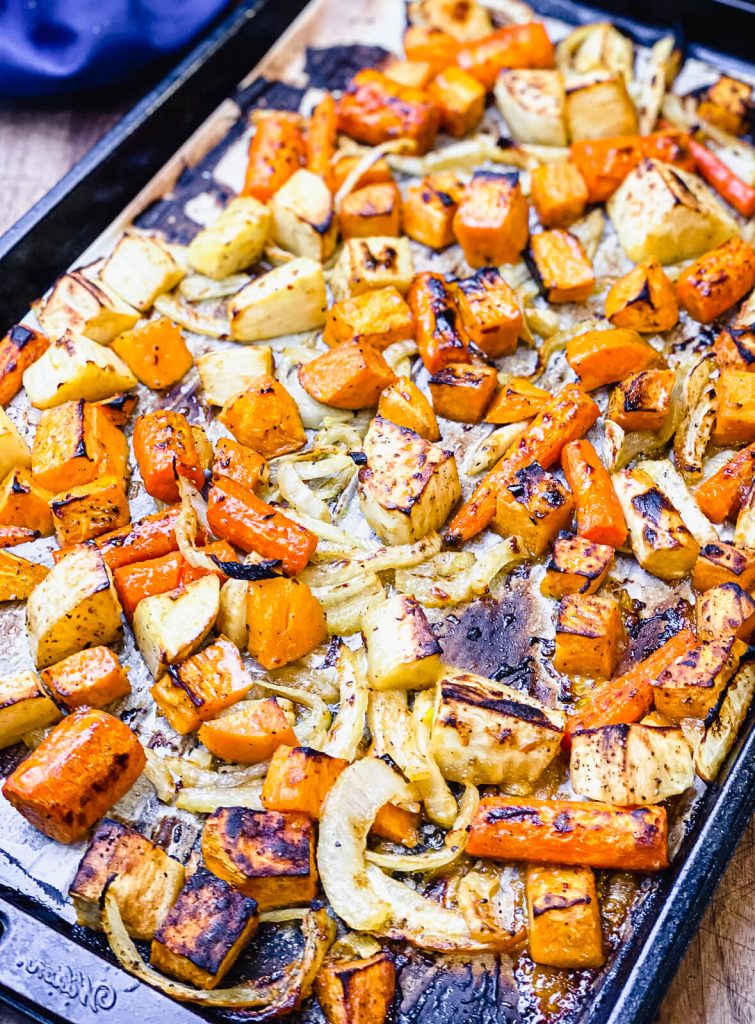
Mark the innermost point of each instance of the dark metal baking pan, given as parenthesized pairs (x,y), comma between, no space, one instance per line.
(54,973)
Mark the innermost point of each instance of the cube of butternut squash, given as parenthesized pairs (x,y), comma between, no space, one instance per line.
(266,418)
(535,506)
(460,98)
(74,444)
(19,576)
(715,281)
(371,210)
(604,357)
(589,633)
(357,991)
(285,621)
(723,611)
(23,502)
(93,678)
(203,685)
(75,606)
(564,917)
(563,266)
(373,109)
(377,318)
(691,686)
(145,880)
(517,400)
(642,400)
(169,627)
(204,932)
(89,510)
(492,222)
(430,207)
(735,345)
(735,413)
(248,733)
(84,766)
(267,855)
(643,300)
(402,650)
(299,779)
(559,193)
(431,44)
(239,463)
(575,566)
(351,375)
(489,312)
(405,405)
(721,562)
(24,706)
(463,391)
(369,263)
(19,348)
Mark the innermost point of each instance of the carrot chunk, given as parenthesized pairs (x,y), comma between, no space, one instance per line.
(164,448)
(374,109)
(275,152)
(321,137)
(599,515)
(605,163)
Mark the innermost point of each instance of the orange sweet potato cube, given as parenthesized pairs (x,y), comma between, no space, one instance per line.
(643,300)
(75,443)
(489,312)
(299,779)
(535,506)
(517,400)
(589,633)
(377,318)
(371,210)
(156,353)
(431,45)
(642,400)
(463,391)
(460,99)
(492,222)
(564,916)
(576,566)
(721,562)
(357,991)
(249,732)
(725,611)
(716,280)
(563,266)
(89,510)
(20,347)
(266,418)
(405,405)
(93,678)
(201,687)
(23,502)
(559,193)
(285,620)
(239,463)
(430,207)
(266,855)
(604,357)
(350,376)
(373,109)
(735,415)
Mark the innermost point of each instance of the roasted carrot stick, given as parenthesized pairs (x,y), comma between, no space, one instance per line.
(600,518)
(605,163)
(441,338)
(564,832)
(736,192)
(568,416)
(275,152)
(159,575)
(722,494)
(321,137)
(239,516)
(628,698)
(148,538)
(164,448)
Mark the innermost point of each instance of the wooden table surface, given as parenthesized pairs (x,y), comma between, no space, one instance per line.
(716,980)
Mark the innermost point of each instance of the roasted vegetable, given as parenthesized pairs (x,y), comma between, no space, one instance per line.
(460,98)
(93,678)
(721,495)
(352,375)
(534,506)
(75,367)
(371,210)
(205,931)
(605,163)
(727,104)
(14,451)
(430,207)
(589,633)
(603,357)
(642,400)
(598,105)
(303,217)
(150,537)
(690,687)
(564,917)
(405,405)
(464,22)
(139,269)
(285,621)
(463,392)
(169,627)
(143,878)
(514,46)
(441,338)
(357,991)
(486,733)
(559,193)
(533,104)
(20,347)
(346,163)
(376,318)
(735,345)
(239,516)
(265,417)
(576,566)
(373,109)
(156,353)
(286,300)
(320,141)
(24,706)
(643,300)
(165,449)
(276,151)
(408,486)
(82,305)
(661,542)
(232,242)
(402,651)
(89,510)
(723,611)
(562,266)
(24,503)
(713,738)
(664,213)
(75,443)
(491,223)
(517,400)
(239,463)
(715,281)
(415,74)
(720,563)
(729,186)
(203,685)
(431,45)
(489,311)
(18,576)
(598,46)
(76,774)
(249,733)
(735,413)
(366,264)
(265,854)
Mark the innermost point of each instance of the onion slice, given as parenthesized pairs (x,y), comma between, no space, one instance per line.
(274,998)
(193,514)
(347,730)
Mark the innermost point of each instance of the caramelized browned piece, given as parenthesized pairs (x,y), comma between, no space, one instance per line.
(374,109)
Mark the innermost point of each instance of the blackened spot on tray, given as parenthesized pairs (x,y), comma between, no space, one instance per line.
(270,95)
(332,67)
(493,638)
(465,990)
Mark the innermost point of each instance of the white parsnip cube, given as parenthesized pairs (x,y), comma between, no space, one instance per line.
(713,737)
(234,241)
(402,651)
(24,706)
(598,106)
(75,367)
(304,220)
(227,372)
(287,300)
(85,305)
(366,264)
(533,103)
(169,627)
(139,269)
